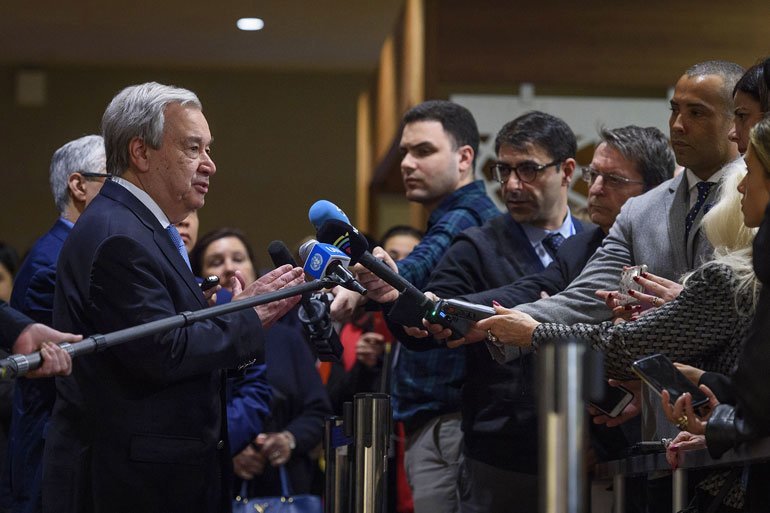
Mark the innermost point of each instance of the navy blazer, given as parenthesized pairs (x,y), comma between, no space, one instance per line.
(33,399)
(498,401)
(12,323)
(139,427)
(572,256)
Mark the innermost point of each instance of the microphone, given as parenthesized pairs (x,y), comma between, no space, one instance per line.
(323,210)
(313,312)
(333,228)
(326,261)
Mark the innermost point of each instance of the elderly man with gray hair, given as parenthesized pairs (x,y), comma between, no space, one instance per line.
(139,427)
(77,173)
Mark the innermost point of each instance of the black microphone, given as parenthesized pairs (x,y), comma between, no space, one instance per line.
(350,241)
(313,312)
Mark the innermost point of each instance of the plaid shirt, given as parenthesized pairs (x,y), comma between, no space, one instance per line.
(427,383)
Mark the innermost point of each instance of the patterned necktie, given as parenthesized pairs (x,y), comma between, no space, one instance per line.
(551,243)
(178,243)
(703,191)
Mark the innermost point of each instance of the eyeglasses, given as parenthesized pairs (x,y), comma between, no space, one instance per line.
(95,175)
(609,180)
(525,172)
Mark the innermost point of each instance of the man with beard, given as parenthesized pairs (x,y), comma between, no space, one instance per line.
(535,163)
(627,162)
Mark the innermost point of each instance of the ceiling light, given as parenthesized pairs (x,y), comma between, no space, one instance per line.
(250,24)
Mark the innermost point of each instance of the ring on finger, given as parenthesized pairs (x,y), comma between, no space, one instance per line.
(681,422)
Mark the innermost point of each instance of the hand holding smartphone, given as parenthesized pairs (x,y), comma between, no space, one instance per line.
(660,374)
(627,283)
(614,401)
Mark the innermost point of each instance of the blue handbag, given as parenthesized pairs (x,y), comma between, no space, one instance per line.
(286,503)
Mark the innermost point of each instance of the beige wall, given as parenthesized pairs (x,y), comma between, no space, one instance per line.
(282,141)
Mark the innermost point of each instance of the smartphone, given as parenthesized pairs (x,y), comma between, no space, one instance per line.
(648,447)
(209,282)
(627,283)
(458,315)
(660,374)
(614,400)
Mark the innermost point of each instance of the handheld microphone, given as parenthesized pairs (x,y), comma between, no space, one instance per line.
(313,312)
(334,229)
(323,210)
(325,260)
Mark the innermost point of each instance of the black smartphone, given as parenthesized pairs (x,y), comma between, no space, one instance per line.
(209,282)
(614,400)
(648,447)
(659,373)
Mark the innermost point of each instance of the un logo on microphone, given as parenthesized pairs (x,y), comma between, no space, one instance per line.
(316,262)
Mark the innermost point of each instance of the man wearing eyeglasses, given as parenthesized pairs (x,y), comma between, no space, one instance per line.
(77,173)
(535,163)
(627,162)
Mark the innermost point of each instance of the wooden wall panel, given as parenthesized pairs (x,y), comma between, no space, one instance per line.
(582,44)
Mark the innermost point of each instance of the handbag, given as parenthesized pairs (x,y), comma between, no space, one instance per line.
(286,503)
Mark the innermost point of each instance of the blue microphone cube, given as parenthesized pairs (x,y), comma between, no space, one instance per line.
(321,256)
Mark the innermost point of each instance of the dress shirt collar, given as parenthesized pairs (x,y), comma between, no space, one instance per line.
(146,200)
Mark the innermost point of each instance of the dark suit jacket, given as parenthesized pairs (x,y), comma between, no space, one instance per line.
(139,427)
(566,266)
(33,399)
(12,323)
(498,405)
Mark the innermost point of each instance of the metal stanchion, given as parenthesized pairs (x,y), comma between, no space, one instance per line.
(562,426)
(679,490)
(372,432)
(337,476)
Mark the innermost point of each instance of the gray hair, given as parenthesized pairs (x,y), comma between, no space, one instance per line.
(730,72)
(138,111)
(84,155)
(647,148)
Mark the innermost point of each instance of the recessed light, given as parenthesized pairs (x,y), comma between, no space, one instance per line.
(250,24)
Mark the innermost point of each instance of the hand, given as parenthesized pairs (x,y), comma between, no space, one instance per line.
(692,373)
(39,337)
(620,312)
(369,348)
(211,295)
(345,304)
(682,410)
(378,289)
(284,276)
(511,327)
(249,463)
(276,447)
(659,290)
(684,441)
(631,410)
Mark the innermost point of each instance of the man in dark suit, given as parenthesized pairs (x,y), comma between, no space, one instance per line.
(535,163)
(139,427)
(76,175)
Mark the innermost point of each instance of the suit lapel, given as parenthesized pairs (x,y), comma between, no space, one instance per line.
(677,206)
(162,240)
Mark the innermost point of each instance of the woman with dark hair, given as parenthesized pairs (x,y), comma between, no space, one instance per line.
(300,403)
(9,263)
(751,102)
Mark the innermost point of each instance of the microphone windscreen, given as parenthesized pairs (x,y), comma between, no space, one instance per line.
(280,254)
(344,237)
(322,211)
(306,248)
